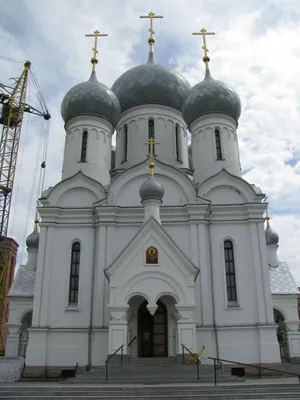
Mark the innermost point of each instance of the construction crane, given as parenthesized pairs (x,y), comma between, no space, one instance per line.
(13,102)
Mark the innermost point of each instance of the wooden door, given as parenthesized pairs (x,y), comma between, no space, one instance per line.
(153,332)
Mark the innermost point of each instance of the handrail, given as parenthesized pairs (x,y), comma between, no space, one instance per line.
(249,365)
(193,355)
(106,362)
(130,343)
(122,350)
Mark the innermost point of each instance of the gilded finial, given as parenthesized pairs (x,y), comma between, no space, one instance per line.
(203,33)
(96,34)
(267,212)
(151,39)
(36,221)
(151,142)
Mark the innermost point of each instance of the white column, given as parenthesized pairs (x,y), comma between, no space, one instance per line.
(118,328)
(13,340)
(152,209)
(269,347)
(37,347)
(272,255)
(186,326)
(32,259)
(204,151)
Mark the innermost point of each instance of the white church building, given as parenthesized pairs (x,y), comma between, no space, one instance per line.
(175,256)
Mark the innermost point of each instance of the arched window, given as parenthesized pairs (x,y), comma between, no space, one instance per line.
(230,271)
(178,142)
(125,141)
(218,144)
(151,134)
(84,146)
(74,274)
(152,256)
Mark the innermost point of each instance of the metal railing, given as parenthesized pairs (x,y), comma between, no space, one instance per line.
(248,365)
(195,356)
(111,356)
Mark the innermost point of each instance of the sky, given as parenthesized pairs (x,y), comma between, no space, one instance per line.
(255,50)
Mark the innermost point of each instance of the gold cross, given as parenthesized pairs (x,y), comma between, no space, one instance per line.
(151,39)
(96,34)
(204,32)
(151,142)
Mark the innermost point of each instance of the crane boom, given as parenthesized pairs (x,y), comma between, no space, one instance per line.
(12,117)
(13,101)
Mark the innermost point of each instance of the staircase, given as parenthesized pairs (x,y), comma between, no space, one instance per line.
(153,378)
(152,371)
(31,391)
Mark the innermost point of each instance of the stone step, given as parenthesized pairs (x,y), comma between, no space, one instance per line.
(68,392)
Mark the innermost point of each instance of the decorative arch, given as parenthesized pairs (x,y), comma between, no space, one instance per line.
(159,296)
(137,294)
(26,322)
(281,331)
(139,285)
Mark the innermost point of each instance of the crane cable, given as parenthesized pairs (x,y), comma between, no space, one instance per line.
(36,185)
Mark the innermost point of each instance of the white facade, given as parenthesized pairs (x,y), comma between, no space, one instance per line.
(100,210)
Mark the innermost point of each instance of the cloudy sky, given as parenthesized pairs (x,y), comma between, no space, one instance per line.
(256,51)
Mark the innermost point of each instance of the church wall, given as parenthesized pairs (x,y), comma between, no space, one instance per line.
(60,314)
(98,154)
(99,346)
(165,120)
(247,310)
(204,152)
(174,194)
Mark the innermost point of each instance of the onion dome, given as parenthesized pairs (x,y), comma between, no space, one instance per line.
(151,83)
(211,97)
(32,241)
(272,237)
(151,189)
(91,98)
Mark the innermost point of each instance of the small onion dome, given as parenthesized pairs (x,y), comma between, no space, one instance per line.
(151,189)
(211,97)
(32,241)
(91,98)
(272,237)
(151,83)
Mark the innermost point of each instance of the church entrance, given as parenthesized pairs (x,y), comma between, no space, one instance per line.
(153,331)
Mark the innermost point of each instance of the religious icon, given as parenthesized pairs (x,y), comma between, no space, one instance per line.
(151,256)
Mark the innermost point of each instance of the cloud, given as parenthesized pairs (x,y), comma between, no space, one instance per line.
(255,50)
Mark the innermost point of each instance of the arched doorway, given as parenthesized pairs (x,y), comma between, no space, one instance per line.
(24,334)
(153,331)
(281,334)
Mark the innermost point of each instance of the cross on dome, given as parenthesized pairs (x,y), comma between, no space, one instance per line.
(96,34)
(151,39)
(151,142)
(203,33)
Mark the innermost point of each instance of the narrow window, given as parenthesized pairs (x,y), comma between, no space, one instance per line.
(230,271)
(125,141)
(178,142)
(218,144)
(84,146)
(151,134)
(74,274)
